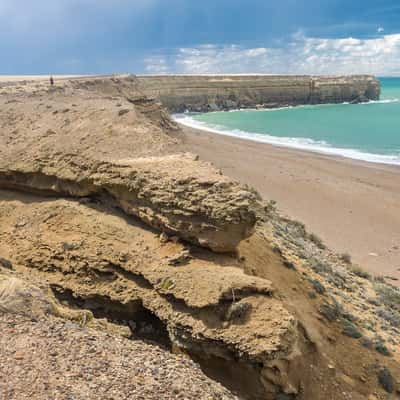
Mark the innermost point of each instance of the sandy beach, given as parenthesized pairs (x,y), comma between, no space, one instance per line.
(353,206)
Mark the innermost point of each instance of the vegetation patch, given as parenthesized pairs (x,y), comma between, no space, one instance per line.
(350,329)
(358,271)
(317,241)
(330,311)
(346,258)
(381,348)
(386,380)
(318,286)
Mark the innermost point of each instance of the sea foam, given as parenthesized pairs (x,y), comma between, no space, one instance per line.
(307,144)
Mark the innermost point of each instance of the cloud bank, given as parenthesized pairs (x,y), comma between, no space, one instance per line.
(301,55)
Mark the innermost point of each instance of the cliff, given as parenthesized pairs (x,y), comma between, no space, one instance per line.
(107,225)
(226,92)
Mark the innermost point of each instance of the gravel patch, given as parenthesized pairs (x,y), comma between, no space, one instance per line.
(52,359)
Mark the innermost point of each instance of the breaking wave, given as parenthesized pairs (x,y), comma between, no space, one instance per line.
(291,142)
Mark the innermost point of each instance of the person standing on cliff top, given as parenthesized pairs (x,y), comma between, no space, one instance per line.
(51,81)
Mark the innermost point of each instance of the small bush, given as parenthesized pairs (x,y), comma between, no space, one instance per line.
(320,267)
(358,271)
(351,330)
(318,286)
(167,284)
(368,343)
(254,191)
(330,311)
(389,296)
(299,227)
(386,380)
(317,241)
(391,316)
(381,348)
(346,258)
(270,206)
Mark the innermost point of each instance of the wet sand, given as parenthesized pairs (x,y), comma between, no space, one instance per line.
(353,206)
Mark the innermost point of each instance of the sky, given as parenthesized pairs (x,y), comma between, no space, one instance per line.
(208,36)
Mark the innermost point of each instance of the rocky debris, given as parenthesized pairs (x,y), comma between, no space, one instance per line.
(181,258)
(34,300)
(60,359)
(361,99)
(19,297)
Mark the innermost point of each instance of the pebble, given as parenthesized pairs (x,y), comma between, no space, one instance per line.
(64,362)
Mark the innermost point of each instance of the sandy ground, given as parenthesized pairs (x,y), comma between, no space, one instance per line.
(16,78)
(353,206)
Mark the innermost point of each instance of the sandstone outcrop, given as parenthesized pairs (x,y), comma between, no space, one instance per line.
(67,359)
(202,93)
(207,309)
(114,230)
(175,194)
(95,150)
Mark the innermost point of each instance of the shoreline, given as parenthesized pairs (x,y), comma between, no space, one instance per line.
(301,144)
(351,204)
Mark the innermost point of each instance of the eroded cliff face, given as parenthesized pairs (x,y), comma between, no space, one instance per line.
(116,144)
(226,92)
(160,244)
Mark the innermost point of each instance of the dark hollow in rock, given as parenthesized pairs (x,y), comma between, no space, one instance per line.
(5,263)
(238,311)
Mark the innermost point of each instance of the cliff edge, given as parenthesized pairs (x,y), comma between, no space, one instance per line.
(202,93)
(105,224)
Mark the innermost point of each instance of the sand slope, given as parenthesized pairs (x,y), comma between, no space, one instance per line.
(353,206)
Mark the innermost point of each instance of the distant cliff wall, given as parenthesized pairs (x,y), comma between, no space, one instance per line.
(225,92)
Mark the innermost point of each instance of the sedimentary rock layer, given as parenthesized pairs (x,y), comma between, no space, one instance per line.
(104,143)
(225,92)
(102,148)
(174,194)
(114,267)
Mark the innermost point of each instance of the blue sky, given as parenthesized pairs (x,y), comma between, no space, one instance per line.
(209,36)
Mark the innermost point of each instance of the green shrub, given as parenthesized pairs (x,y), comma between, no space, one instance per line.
(356,270)
(317,241)
(351,330)
(389,295)
(320,267)
(381,348)
(345,257)
(386,380)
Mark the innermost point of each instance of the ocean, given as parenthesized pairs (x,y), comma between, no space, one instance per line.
(367,131)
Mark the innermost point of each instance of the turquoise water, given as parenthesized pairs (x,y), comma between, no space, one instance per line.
(369,131)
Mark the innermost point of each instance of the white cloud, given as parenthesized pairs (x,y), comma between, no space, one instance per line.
(301,55)
(157,65)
